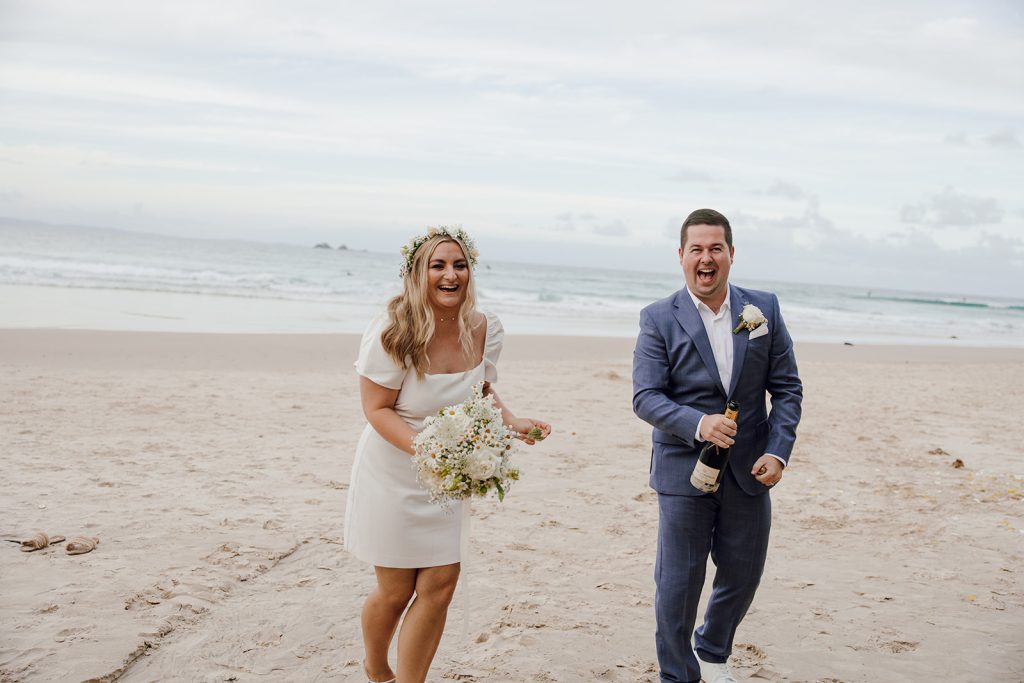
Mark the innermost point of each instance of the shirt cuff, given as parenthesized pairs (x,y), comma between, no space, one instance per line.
(778,458)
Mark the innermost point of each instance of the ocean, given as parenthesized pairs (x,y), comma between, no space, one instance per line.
(90,278)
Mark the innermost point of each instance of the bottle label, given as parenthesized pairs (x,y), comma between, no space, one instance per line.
(704,478)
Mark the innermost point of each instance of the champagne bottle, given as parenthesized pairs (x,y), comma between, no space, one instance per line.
(710,468)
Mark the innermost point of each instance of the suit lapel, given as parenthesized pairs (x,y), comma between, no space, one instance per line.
(687,315)
(739,340)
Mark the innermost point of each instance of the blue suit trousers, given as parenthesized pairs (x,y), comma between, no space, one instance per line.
(733,527)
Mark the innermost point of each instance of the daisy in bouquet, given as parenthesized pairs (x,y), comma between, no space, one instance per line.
(464,451)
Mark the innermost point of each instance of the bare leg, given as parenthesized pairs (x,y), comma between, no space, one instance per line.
(424,622)
(381,612)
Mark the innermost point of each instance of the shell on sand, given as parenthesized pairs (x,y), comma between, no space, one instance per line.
(82,544)
(39,541)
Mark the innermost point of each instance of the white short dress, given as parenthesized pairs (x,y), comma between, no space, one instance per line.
(389,519)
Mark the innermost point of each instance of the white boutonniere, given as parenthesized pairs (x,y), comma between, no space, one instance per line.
(751,318)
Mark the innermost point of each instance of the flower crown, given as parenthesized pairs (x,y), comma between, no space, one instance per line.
(453,231)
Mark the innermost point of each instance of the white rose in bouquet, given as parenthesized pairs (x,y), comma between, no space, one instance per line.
(482,468)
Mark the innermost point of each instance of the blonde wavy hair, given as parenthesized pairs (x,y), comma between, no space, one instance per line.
(411,325)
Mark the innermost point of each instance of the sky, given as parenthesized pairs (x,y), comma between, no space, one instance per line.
(860,143)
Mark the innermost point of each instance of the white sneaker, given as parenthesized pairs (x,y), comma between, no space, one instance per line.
(715,673)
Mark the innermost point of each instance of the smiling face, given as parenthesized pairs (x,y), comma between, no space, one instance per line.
(448,274)
(706,258)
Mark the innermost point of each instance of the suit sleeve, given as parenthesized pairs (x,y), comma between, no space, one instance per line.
(651,375)
(785,389)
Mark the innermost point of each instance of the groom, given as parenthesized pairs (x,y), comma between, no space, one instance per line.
(691,357)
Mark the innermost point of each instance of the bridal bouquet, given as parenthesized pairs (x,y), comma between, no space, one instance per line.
(464,451)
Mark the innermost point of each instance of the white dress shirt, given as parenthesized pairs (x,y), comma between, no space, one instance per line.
(720,330)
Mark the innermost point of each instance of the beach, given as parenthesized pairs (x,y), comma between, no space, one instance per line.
(214,467)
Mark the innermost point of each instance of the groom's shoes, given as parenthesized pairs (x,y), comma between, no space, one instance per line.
(714,673)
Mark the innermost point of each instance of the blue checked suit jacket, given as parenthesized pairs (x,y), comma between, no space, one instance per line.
(676,381)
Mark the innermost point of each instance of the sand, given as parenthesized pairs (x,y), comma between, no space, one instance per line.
(214,469)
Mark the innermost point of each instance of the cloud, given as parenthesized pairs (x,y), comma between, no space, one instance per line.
(950,208)
(913,213)
(251,115)
(1004,139)
(958,138)
(771,249)
(809,230)
(918,54)
(567,220)
(952,30)
(672,227)
(690,176)
(91,84)
(615,228)
(564,222)
(781,188)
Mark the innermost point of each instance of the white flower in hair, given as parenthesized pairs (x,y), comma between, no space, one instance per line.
(455,232)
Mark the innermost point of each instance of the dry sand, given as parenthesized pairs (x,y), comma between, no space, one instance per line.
(214,468)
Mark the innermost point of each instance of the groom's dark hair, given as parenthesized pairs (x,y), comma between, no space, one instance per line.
(706,217)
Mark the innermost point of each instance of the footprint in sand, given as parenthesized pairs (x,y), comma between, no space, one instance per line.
(816,522)
(897,646)
(894,646)
(751,657)
(748,654)
(73,633)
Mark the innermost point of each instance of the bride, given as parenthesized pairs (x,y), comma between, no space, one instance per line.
(428,351)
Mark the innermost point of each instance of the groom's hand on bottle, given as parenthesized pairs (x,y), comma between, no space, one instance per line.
(718,429)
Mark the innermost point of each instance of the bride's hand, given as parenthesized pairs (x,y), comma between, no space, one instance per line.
(522,426)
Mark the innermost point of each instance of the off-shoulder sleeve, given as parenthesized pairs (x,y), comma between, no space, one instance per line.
(492,347)
(374,363)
